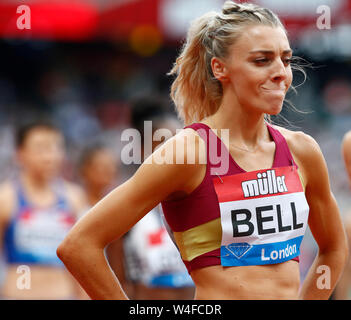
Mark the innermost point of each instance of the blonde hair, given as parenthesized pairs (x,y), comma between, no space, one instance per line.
(195,91)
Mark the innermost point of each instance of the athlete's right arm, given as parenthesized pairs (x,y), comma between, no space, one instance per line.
(82,251)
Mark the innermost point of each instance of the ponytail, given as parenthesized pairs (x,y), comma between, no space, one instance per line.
(195,91)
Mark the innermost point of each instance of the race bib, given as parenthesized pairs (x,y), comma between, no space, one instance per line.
(264,216)
(38,233)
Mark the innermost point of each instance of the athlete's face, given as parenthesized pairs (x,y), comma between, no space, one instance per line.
(257,69)
(100,171)
(42,152)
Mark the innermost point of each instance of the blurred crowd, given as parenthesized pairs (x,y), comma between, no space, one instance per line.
(88,91)
(87,88)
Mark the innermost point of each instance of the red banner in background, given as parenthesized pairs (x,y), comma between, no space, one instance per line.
(144,20)
(118,21)
(60,20)
(299,15)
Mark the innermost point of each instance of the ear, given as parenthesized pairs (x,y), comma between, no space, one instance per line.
(219,69)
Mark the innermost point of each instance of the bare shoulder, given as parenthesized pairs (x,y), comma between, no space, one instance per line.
(190,136)
(180,161)
(6,189)
(7,200)
(347,138)
(194,143)
(303,147)
(186,147)
(309,158)
(76,197)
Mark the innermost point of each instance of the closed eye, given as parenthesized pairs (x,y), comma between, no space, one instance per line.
(264,61)
(261,61)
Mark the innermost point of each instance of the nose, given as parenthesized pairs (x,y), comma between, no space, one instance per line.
(51,156)
(279,71)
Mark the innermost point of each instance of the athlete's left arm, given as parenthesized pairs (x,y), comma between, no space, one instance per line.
(324,221)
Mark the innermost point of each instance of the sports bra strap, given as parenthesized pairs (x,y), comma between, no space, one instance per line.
(203,131)
(281,141)
(211,140)
(58,189)
(283,156)
(20,194)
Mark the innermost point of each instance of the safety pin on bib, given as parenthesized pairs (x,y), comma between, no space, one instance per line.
(219,177)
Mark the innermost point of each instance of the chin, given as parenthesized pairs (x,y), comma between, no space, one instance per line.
(274,110)
(49,176)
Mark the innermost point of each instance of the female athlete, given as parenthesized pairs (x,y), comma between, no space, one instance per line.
(38,209)
(236,191)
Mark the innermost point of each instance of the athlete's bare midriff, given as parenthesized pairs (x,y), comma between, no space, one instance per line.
(265,282)
(45,283)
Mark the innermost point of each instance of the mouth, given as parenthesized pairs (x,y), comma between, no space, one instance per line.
(274,90)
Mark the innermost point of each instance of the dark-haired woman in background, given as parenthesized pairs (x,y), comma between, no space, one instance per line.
(37,210)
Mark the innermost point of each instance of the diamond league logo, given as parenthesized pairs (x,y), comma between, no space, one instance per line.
(238,249)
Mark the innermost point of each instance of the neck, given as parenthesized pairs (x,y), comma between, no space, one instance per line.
(35,182)
(245,128)
(94,194)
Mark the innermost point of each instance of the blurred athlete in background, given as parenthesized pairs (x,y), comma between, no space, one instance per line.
(98,170)
(153,264)
(37,209)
